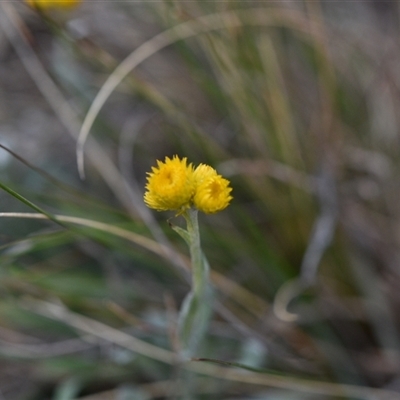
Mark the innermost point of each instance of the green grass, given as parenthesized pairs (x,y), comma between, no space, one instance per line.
(296,111)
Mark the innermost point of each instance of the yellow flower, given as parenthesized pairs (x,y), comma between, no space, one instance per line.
(202,172)
(45,4)
(212,190)
(170,185)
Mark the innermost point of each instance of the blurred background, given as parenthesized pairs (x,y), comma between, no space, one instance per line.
(296,103)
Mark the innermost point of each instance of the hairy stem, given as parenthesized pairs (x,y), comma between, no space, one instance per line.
(199,267)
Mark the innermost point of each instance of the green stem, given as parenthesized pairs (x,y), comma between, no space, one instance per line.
(196,310)
(199,268)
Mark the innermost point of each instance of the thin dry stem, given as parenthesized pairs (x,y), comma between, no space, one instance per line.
(230,288)
(61,108)
(142,241)
(222,20)
(105,332)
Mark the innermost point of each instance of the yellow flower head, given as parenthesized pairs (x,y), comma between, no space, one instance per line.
(170,185)
(212,190)
(46,4)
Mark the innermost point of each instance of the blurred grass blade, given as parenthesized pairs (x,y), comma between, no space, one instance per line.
(68,389)
(235,364)
(27,202)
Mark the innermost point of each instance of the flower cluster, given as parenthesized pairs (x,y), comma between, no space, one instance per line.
(177,185)
(45,4)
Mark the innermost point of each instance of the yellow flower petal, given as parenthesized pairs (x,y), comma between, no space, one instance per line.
(170,185)
(44,4)
(212,190)
(202,172)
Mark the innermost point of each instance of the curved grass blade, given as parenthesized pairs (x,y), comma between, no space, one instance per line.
(27,202)
(234,364)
